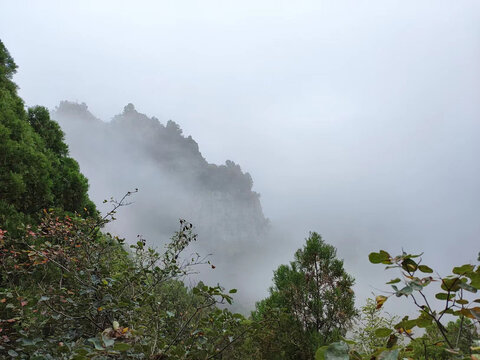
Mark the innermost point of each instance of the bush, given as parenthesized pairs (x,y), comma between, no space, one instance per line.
(70,292)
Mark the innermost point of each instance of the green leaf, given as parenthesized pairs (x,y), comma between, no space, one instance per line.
(232,291)
(320,353)
(444,296)
(423,320)
(394,281)
(475,277)
(121,346)
(425,269)
(411,256)
(461,270)
(382,332)
(451,284)
(406,324)
(380,257)
(409,265)
(81,351)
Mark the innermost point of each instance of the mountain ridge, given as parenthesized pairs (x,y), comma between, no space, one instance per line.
(134,150)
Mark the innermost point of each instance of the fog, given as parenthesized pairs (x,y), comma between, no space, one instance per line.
(174,181)
(356,119)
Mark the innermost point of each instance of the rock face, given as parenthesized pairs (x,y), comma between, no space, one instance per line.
(174,179)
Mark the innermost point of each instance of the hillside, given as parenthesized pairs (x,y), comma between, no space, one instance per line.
(133,140)
(174,181)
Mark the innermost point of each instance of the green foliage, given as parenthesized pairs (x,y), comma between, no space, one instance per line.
(454,340)
(377,337)
(373,329)
(431,343)
(49,130)
(310,303)
(342,351)
(35,172)
(7,69)
(70,292)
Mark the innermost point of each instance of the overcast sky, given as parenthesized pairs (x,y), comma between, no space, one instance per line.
(356,119)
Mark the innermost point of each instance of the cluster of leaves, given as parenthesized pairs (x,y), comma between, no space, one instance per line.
(430,335)
(69,292)
(370,339)
(456,340)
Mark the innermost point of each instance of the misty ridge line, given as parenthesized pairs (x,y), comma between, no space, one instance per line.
(175,181)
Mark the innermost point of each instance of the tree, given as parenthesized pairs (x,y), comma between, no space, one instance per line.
(35,170)
(49,130)
(7,68)
(316,293)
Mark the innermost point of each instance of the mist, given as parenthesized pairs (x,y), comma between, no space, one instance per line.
(358,120)
(136,152)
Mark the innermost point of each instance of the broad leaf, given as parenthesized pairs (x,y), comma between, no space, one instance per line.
(380,257)
(425,269)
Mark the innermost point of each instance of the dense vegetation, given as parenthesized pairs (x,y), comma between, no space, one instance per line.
(68,290)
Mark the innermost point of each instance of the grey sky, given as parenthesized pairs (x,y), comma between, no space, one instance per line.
(357,119)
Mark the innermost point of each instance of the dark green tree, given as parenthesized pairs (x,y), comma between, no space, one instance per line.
(315,293)
(35,170)
(49,130)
